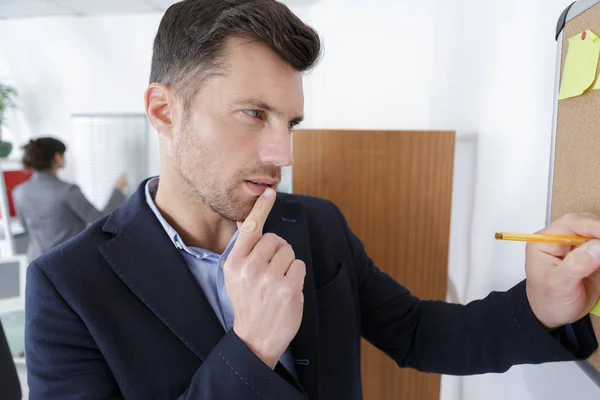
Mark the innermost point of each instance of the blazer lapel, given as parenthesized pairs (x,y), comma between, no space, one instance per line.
(146,260)
(144,257)
(288,221)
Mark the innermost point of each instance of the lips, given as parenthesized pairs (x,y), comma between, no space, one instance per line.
(265,182)
(256,187)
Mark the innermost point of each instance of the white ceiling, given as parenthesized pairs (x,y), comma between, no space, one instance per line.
(37,8)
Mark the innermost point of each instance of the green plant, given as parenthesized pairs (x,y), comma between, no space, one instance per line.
(8,97)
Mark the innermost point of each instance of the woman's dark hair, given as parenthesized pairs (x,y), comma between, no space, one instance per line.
(39,153)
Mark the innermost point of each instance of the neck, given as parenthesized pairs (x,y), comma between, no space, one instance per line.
(51,171)
(197,224)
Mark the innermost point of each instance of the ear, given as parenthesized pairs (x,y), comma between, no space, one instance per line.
(159,103)
(58,160)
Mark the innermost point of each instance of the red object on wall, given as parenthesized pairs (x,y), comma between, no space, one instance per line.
(12,179)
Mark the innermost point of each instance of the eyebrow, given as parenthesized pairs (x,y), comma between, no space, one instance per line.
(261,105)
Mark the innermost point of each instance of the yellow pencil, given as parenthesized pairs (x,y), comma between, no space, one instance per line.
(539,238)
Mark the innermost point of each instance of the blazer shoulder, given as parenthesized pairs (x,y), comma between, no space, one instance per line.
(18,190)
(23,187)
(69,187)
(77,252)
(310,204)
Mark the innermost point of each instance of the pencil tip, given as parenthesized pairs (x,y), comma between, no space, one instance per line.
(499,235)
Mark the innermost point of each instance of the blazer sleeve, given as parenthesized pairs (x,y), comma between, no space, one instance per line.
(241,375)
(85,210)
(488,335)
(64,362)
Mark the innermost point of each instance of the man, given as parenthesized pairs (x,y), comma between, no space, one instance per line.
(208,285)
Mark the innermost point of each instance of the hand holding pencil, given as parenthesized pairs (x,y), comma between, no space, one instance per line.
(562,265)
(541,238)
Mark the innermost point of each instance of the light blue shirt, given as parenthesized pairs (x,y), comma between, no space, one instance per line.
(206,267)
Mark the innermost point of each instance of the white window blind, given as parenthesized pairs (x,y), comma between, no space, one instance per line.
(106,145)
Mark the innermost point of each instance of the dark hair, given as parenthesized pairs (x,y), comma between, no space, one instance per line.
(188,47)
(39,153)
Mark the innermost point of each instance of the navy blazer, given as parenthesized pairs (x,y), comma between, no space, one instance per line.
(115,313)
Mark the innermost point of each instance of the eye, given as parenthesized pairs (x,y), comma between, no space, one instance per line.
(293,125)
(252,113)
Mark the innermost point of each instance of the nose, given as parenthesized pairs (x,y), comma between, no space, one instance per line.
(276,148)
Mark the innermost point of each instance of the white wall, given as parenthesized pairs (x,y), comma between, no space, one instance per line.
(364,80)
(67,65)
(387,65)
(377,65)
(494,77)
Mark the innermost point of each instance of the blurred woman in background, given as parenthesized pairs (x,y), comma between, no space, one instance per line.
(51,210)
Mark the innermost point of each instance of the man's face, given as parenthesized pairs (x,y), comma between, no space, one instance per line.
(237,133)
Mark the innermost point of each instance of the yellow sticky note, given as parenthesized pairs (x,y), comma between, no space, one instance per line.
(596,309)
(597,84)
(580,65)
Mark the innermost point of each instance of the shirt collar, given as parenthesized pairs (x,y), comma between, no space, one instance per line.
(150,193)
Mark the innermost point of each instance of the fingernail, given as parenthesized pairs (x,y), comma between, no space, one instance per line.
(268,193)
(594,250)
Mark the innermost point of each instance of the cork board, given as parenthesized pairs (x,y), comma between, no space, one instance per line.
(576,169)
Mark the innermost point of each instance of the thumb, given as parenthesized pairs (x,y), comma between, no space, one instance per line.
(581,262)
